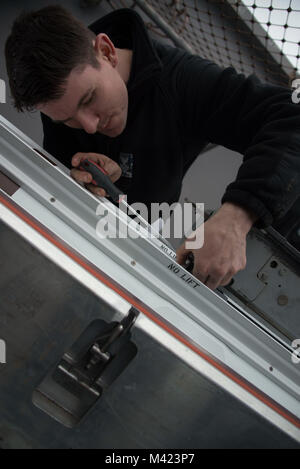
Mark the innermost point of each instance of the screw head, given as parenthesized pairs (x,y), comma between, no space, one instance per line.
(263,277)
(282,300)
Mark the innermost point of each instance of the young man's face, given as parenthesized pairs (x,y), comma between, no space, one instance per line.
(95,100)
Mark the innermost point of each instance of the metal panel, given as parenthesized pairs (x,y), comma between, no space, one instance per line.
(220,341)
(158,402)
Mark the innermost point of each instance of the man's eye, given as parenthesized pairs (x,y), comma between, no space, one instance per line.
(90,100)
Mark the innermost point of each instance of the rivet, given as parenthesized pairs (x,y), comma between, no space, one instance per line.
(282,300)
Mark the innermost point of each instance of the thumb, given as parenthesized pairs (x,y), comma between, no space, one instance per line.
(181,254)
(101,160)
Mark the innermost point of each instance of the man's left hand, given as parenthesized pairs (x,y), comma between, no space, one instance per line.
(224,251)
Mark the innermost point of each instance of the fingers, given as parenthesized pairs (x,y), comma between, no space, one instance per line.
(181,254)
(86,179)
(111,167)
(201,272)
(79,157)
(226,280)
(81,176)
(76,160)
(213,277)
(222,256)
(212,283)
(208,274)
(96,190)
(202,276)
(84,176)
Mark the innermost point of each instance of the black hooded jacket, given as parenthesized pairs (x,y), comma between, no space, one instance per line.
(179,102)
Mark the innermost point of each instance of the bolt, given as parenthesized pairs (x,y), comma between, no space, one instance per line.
(282,300)
(263,277)
(282,272)
(52,200)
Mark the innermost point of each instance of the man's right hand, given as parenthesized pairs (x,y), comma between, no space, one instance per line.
(111,167)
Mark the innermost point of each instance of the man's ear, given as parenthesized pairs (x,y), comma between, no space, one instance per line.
(105,49)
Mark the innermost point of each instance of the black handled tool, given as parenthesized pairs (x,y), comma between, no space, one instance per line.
(101,179)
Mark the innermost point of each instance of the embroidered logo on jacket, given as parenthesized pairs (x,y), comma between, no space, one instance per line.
(126,164)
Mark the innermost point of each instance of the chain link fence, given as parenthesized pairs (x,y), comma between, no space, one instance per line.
(253,36)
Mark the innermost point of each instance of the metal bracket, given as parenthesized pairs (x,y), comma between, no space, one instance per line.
(95,360)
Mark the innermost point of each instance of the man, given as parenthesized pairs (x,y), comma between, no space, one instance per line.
(122,99)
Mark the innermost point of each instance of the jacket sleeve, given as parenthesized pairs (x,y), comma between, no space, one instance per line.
(256,119)
(59,141)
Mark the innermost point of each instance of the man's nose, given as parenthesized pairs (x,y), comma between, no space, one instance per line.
(89,122)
